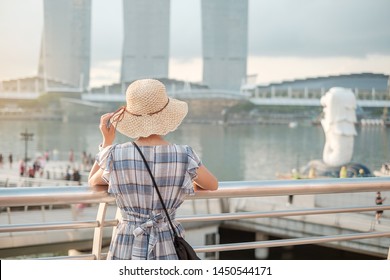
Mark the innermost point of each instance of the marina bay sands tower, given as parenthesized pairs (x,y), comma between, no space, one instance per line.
(225,43)
(146,39)
(66,42)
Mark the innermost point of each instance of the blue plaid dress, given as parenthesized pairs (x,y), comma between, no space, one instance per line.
(144,231)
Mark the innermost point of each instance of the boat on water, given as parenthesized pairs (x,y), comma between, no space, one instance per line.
(292,124)
(384,171)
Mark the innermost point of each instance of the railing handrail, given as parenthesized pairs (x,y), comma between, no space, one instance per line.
(52,196)
(74,194)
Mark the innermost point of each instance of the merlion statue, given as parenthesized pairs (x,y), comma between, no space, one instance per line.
(339,118)
(339,126)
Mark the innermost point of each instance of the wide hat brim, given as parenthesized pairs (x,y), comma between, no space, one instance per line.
(160,123)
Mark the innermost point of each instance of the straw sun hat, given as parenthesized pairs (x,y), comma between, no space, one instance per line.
(149,110)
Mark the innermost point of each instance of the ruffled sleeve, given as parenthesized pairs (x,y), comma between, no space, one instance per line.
(105,160)
(194,163)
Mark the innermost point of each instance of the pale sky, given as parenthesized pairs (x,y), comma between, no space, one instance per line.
(288,39)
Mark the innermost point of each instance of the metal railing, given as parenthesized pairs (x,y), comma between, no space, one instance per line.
(67,195)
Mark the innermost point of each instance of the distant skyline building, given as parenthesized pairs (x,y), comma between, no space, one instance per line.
(146,39)
(66,42)
(224,43)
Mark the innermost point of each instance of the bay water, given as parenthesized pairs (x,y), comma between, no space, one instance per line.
(232,153)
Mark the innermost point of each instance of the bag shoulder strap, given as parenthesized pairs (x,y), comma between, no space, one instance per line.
(155,186)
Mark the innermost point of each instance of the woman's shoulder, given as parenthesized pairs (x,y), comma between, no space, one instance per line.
(184,148)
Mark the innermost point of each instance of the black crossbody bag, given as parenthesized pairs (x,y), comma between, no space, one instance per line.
(184,250)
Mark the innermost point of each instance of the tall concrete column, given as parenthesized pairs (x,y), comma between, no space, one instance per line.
(66,42)
(145,52)
(224,43)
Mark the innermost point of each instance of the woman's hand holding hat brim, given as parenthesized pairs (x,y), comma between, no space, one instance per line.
(107,130)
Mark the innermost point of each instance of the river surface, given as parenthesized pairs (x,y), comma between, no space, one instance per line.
(232,153)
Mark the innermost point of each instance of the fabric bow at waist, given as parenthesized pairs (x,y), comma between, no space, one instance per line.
(156,221)
(143,246)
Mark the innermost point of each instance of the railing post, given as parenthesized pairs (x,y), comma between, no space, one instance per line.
(118,217)
(9,218)
(98,234)
(225,205)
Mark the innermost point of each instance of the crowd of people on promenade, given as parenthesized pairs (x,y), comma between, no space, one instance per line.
(10,160)
(38,166)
